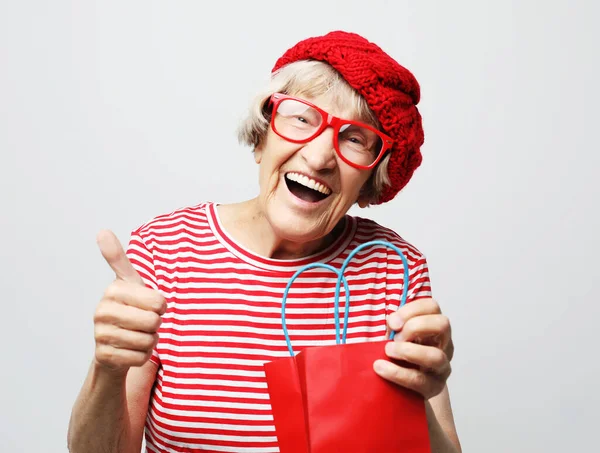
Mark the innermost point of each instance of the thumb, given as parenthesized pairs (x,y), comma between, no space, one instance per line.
(115,256)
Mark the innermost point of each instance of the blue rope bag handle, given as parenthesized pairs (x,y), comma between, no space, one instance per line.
(336,309)
(341,279)
(343,269)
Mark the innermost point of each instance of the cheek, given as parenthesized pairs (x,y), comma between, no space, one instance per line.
(278,152)
(354,181)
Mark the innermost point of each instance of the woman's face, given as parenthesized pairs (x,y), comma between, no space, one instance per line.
(306,189)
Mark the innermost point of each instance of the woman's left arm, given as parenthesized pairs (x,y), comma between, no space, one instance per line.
(442,430)
(423,345)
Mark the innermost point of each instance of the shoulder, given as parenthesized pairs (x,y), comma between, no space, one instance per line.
(182,218)
(156,241)
(418,270)
(368,230)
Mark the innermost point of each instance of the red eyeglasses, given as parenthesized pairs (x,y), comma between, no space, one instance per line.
(298,121)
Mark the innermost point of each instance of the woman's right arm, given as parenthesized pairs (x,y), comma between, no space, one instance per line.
(110,411)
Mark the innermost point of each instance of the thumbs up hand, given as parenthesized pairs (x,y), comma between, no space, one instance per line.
(127,318)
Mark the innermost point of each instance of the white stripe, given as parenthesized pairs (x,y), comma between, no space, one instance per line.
(202,425)
(217,283)
(200,446)
(236,340)
(219,393)
(164,355)
(219,415)
(217,292)
(192,255)
(220,405)
(219,371)
(289,307)
(196,258)
(146,256)
(164,347)
(224,350)
(168,224)
(227,280)
(200,260)
(188,236)
(316,276)
(277,331)
(219,382)
(197,318)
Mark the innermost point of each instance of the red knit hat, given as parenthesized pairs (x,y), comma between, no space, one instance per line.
(390,90)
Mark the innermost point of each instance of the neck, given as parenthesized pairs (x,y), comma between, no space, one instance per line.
(246,223)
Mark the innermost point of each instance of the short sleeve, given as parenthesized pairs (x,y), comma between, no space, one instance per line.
(142,260)
(419,286)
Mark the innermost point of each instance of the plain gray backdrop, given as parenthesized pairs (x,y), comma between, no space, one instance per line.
(112,112)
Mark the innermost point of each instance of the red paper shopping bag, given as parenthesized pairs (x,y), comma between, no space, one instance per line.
(349,408)
(329,399)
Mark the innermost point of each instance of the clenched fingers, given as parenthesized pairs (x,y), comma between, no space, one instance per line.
(127,317)
(116,358)
(429,329)
(428,385)
(136,296)
(428,358)
(117,337)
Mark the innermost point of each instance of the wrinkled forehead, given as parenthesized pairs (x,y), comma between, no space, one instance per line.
(337,102)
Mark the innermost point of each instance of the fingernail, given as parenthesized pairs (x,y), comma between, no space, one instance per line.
(381,366)
(388,348)
(395,322)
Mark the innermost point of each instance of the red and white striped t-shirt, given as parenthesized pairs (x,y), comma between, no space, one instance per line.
(223,321)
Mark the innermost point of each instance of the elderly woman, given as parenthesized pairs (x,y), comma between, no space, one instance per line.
(183,332)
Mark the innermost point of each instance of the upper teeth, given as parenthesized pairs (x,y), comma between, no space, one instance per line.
(310,183)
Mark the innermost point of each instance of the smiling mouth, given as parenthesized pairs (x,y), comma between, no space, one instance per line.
(305,188)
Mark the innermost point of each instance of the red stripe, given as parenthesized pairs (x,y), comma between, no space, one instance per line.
(288,316)
(215,420)
(203,257)
(161,427)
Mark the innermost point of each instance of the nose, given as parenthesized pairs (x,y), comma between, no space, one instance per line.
(319,153)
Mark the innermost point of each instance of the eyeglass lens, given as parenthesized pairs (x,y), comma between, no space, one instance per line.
(295,120)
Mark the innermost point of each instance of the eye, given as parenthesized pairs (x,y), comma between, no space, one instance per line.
(357,140)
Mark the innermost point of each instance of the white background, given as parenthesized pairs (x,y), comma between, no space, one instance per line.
(112,112)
